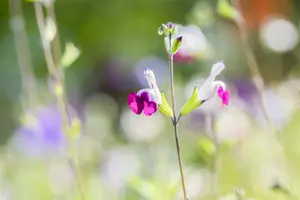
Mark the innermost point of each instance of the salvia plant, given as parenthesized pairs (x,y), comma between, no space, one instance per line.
(149,100)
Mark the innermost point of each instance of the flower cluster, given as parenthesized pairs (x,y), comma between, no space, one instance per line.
(151,99)
(148,100)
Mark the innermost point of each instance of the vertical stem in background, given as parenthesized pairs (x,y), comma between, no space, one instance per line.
(214,163)
(254,68)
(17,25)
(175,120)
(55,72)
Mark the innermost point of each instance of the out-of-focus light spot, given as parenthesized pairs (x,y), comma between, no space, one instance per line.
(16,24)
(88,149)
(119,165)
(279,35)
(202,14)
(60,178)
(101,110)
(140,127)
(157,65)
(96,188)
(276,107)
(228,130)
(195,180)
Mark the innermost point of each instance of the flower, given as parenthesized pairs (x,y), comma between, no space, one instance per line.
(150,99)
(208,90)
(210,85)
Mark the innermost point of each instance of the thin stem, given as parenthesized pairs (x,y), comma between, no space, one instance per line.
(55,44)
(215,158)
(254,68)
(175,121)
(23,54)
(54,71)
(179,161)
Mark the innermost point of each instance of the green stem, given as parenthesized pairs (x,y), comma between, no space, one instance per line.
(175,121)
(215,157)
(54,71)
(29,89)
(254,68)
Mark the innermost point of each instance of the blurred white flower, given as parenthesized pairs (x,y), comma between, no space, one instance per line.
(141,128)
(279,35)
(60,178)
(194,44)
(119,165)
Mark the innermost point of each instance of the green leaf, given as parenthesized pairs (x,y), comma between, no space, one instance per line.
(70,55)
(191,104)
(164,107)
(226,10)
(176,44)
(75,129)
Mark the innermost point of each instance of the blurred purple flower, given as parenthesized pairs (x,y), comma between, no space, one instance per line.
(40,132)
(245,89)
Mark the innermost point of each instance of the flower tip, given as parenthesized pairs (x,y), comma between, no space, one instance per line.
(224,96)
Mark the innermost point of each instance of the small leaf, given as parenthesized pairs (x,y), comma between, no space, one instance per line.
(191,104)
(226,10)
(70,55)
(160,31)
(50,30)
(164,107)
(176,44)
(75,129)
(165,29)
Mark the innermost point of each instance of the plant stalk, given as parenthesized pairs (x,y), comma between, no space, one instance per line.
(28,79)
(254,68)
(174,119)
(54,69)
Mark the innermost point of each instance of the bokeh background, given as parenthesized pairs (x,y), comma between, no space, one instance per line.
(228,153)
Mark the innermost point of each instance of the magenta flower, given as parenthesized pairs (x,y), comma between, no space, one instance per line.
(146,100)
(210,86)
(224,95)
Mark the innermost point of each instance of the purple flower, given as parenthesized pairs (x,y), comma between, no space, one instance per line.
(40,131)
(146,100)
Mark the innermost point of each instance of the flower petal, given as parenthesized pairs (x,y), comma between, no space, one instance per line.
(216,69)
(224,95)
(135,103)
(150,106)
(149,75)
